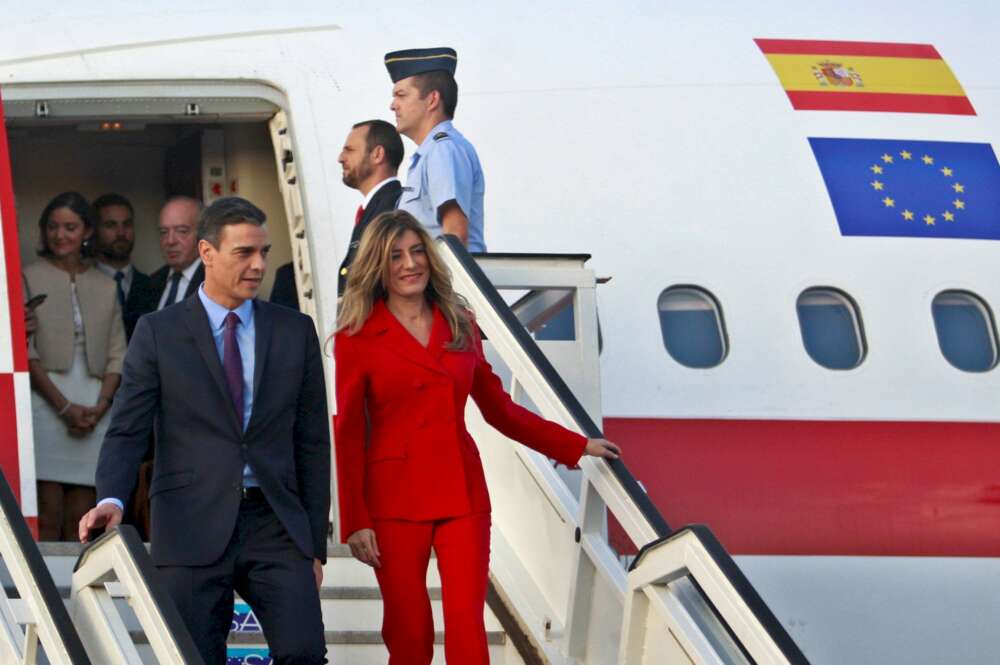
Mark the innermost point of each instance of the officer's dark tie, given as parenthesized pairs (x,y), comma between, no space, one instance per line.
(232,364)
(358,215)
(175,281)
(119,276)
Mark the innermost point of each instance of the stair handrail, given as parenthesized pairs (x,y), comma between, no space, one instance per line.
(50,621)
(119,553)
(649,519)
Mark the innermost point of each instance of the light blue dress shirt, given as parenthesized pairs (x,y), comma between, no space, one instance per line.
(446,168)
(246,338)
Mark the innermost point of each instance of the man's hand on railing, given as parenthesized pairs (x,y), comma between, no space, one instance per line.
(602,448)
(104,516)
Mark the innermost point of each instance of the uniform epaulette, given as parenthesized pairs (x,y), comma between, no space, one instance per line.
(440,136)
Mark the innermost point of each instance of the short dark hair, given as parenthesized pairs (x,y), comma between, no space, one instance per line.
(111,199)
(224,212)
(75,202)
(384,134)
(444,83)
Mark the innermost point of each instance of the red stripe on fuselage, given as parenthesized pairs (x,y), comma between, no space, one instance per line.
(823,487)
(8,435)
(12,254)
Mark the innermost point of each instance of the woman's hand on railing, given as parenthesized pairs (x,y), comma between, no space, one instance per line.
(364,547)
(602,448)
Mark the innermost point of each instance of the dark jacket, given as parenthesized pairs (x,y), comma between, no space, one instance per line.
(173,382)
(385,199)
(142,299)
(159,283)
(283,291)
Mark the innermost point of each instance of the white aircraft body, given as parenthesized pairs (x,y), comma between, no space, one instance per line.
(863,502)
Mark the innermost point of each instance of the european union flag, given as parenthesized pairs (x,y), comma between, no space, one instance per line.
(918,189)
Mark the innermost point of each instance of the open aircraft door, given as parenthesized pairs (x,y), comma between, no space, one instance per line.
(17,450)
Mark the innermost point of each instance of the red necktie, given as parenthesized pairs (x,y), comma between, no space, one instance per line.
(358,215)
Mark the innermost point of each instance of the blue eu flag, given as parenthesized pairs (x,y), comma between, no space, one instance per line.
(917,189)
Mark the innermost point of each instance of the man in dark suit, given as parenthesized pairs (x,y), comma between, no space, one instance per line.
(241,484)
(370,159)
(114,239)
(283,291)
(183,272)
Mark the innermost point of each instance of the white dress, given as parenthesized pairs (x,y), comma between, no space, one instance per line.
(59,455)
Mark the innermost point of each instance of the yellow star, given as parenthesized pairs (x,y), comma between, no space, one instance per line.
(948,215)
(906,154)
(959,204)
(908,215)
(958,187)
(889,203)
(946,171)
(887,158)
(877,185)
(929,220)
(876,169)
(927,159)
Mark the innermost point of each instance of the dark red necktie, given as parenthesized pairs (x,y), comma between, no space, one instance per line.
(358,215)
(232,363)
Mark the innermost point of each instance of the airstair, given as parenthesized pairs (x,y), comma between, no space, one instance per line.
(584,569)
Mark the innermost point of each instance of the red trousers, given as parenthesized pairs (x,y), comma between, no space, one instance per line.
(462,545)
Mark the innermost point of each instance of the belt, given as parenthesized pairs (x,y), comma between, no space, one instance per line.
(252,494)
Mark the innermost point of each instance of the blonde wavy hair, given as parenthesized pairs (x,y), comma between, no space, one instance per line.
(369,273)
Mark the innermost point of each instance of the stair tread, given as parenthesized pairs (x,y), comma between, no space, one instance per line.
(69,549)
(361,637)
(325,593)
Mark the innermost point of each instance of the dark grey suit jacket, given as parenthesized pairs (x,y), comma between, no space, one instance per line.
(158,283)
(173,383)
(384,200)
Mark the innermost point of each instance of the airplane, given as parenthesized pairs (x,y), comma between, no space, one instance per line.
(822,395)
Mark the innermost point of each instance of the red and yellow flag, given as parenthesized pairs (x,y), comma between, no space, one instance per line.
(865,76)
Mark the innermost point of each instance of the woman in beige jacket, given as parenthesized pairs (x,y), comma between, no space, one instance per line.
(75,358)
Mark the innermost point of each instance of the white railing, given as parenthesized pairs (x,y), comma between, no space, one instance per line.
(551,561)
(116,567)
(39,615)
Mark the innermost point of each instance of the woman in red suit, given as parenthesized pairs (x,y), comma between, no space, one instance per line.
(408,357)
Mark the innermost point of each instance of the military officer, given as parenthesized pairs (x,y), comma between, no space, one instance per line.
(444,184)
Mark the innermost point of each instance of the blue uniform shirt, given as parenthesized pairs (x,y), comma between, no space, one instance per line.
(446,168)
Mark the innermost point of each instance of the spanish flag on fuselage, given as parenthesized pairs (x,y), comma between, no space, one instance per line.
(865,76)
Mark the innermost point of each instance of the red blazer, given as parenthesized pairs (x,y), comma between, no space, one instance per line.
(412,458)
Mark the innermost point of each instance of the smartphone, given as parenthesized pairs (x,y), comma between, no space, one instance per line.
(35,301)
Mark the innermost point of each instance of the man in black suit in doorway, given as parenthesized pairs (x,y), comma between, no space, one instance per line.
(241,483)
(370,159)
(114,240)
(183,272)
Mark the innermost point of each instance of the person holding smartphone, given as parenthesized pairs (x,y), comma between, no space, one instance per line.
(75,360)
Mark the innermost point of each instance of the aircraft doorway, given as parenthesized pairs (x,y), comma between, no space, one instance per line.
(147,147)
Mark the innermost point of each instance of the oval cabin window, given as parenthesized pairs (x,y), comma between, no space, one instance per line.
(692,326)
(831,328)
(965,330)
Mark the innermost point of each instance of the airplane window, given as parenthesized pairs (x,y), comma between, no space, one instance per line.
(966,331)
(831,328)
(693,329)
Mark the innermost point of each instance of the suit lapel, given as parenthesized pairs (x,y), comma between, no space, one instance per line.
(440,335)
(402,342)
(197,322)
(385,199)
(262,332)
(196,279)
